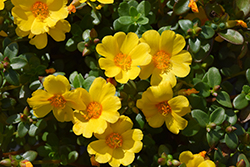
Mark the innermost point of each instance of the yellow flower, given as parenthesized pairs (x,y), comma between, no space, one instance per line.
(169,60)
(122,56)
(196,160)
(40,41)
(2,4)
(57,97)
(201,15)
(100,1)
(102,106)
(192,4)
(118,144)
(158,106)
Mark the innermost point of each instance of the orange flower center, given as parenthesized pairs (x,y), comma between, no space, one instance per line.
(94,110)
(164,108)
(57,101)
(114,140)
(162,60)
(40,10)
(123,61)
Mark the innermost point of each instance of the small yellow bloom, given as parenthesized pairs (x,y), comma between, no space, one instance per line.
(2,4)
(122,56)
(102,107)
(195,160)
(100,1)
(159,106)
(57,97)
(241,23)
(118,144)
(169,58)
(40,41)
(192,4)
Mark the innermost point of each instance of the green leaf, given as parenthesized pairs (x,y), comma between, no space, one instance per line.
(33,130)
(203,88)
(133,12)
(185,24)
(231,140)
(76,29)
(72,156)
(239,130)
(13,119)
(30,155)
(97,16)
(232,36)
(87,82)
(224,99)
(142,20)
(123,9)
(243,5)
(218,116)
(144,8)
(213,138)
(207,32)
(201,117)
(22,129)
(91,63)
(18,62)
(86,35)
(11,50)
(139,119)
(12,77)
(191,129)
(163,29)
(197,102)
(248,75)
(246,89)
(213,77)
(181,7)
(125,20)
(242,156)
(231,116)
(8,102)
(240,101)
(195,44)
(35,85)
(81,46)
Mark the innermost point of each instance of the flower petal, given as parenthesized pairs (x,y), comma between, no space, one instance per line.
(186,156)
(156,120)
(106,1)
(56,84)
(152,38)
(40,41)
(128,158)
(140,55)
(130,42)
(101,150)
(123,124)
(167,41)
(120,37)
(179,105)
(108,48)
(65,114)
(147,70)
(207,163)
(109,66)
(58,32)
(175,123)
(73,99)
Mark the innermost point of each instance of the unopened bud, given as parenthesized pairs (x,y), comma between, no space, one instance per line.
(161,161)
(93,33)
(135,110)
(85,51)
(6,59)
(26,111)
(25,163)
(170,157)
(96,41)
(246,138)
(6,65)
(230,129)
(112,81)
(169,163)
(5,162)
(176,162)
(216,88)
(241,163)
(131,104)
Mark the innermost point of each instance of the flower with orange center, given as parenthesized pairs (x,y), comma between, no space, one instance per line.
(118,144)
(192,4)
(123,54)
(159,106)
(57,97)
(39,17)
(169,60)
(2,4)
(102,108)
(195,160)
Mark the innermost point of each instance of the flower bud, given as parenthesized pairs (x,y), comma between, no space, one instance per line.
(135,110)
(241,163)
(230,129)
(5,162)
(96,41)
(170,156)
(169,163)
(85,51)
(161,161)
(175,162)
(93,33)
(131,104)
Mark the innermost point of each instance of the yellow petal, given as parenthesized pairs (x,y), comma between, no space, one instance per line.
(156,77)
(57,32)
(120,37)
(25,18)
(162,92)
(122,77)
(140,55)
(101,150)
(123,124)
(108,48)
(42,111)
(1,5)
(133,72)
(135,134)
(186,156)
(169,77)
(181,63)
(98,125)
(156,120)
(130,42)
(84,96)
(25,4)
(180,105)
(147,106)
(106,133)
(106,1)
(38,27)
(152,38)
(65,114)
(73,99)
(56,84)
(118,153)
(114,162)
(40,41)
(110,68)
(207,163)
(21,33)
(147,70)
(128,158)
(175,123)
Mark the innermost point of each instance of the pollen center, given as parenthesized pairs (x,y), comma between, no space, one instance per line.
(162,60)
(94,110)
(123,61)
(114,140)
(40,10)
(164,108)
(57,101)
